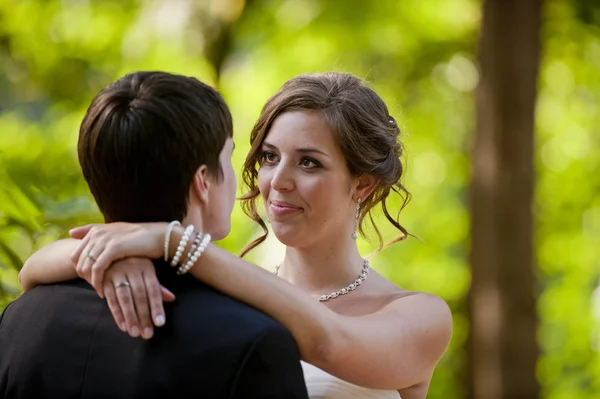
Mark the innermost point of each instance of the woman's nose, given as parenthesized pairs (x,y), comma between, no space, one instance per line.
(283,179)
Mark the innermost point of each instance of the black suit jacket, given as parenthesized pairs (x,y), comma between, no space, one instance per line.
(60,341)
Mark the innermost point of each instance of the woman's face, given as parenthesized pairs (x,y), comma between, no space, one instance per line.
(304,181)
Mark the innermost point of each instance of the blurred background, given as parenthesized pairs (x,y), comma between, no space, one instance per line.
(427,59)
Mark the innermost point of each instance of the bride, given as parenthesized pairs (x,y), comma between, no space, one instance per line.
(324,153)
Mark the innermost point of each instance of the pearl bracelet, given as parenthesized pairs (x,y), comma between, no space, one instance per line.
(168,237)
(192,261)
(195,245)
(182,244)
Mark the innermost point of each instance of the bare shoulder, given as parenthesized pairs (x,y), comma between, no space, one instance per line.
(430,321)
(430,307)
(421,302)
(427,317)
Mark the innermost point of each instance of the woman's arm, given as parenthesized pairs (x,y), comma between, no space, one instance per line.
(394,348)
(50,264)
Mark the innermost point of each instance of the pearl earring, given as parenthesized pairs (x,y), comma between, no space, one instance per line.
(356,216)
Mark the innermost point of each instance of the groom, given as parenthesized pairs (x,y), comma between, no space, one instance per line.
(153,147)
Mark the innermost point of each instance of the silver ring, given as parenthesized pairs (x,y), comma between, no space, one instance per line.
(91,256)
(122,284)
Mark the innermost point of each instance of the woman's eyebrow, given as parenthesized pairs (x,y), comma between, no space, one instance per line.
(303,150)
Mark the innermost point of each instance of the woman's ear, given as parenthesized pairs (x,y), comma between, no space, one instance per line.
(365,185)
(201,184)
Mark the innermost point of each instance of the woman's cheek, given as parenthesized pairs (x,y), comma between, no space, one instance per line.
(264,183)
(317,192)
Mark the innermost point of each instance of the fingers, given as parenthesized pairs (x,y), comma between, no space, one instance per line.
(141,304)
(167,296)
(104,260)
(81,231)
(111,242)
(85,261)
(76,255)
(125,299)
(113,305)
(90,269)
(155,298)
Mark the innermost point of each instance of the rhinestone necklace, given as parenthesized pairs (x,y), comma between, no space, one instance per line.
(359,280)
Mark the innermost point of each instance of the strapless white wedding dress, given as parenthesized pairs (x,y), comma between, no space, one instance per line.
(322,385)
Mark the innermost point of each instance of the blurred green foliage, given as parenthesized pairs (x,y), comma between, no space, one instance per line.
(420,56)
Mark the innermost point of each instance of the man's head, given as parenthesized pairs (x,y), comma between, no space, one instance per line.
(154,146)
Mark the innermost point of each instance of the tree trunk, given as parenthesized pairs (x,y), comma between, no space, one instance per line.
(502,346)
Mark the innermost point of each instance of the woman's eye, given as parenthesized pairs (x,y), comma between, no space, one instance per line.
(308,163)
(269,157)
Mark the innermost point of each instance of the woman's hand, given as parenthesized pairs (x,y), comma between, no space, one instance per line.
(103,244)
(135,297)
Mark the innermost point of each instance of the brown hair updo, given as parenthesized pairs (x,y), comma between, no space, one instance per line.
(366,133)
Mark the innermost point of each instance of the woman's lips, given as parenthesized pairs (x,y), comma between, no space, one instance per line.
(281,208)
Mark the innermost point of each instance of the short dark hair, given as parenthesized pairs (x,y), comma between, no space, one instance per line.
(142,140)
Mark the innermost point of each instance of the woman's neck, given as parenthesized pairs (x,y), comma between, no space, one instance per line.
(322,268)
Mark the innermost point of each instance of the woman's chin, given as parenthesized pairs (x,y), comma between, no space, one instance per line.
(288,236)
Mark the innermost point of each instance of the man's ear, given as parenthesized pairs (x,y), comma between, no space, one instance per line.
(201,184)
(365,184)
